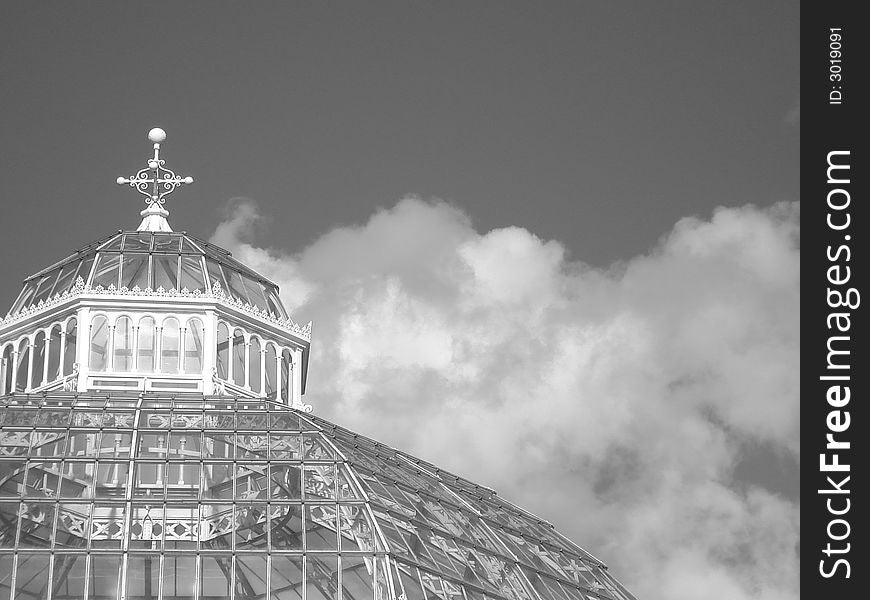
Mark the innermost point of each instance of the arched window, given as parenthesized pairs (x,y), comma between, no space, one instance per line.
(123,345)
(99,343)
(271,371)
(55,340)
(223,351)
(238,357)
(169,346)
(37,371)
(254,358)
(7,370)
(285,377)
(69,347)
(193,346)
(145,348)
(22,366)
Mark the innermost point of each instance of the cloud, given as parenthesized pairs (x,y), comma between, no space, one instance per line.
(614,402)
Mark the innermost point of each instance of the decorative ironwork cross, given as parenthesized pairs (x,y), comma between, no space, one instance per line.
(155,181)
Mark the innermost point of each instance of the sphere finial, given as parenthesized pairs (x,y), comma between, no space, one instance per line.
(155,182)
(156,135)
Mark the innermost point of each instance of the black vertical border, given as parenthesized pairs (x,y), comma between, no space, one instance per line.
(826,127)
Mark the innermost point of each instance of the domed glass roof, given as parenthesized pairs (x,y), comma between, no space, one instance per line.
(152,260)
(194,497)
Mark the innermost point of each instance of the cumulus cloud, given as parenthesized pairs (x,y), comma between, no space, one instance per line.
(614,402)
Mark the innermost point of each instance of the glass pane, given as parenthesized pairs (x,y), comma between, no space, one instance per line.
(143,577)
(69,576)
(82,443)
(188,247)
(99,343)
(165,271)
(72,525)
(285,522)
(123,345)
(12,472)
(113,245)
(271,372)
(22,366)
(134,271)
(25,297)
(182,529)
(287,577)
(140,241)
(178,577)
(36,522)
(215,274)
(223,351)
(254,360)
(17,443)
(319,482)
(106,273)
(193,347)
(107,527)
(8,368)
(285,377)
(274,303)
(218,480)
(357,580)
(145,350)
(69,349)
(250,526)
(38,360)
(45,286)
(285,481)
(66,278)
(321,532)
(8,525)
(239,357)
(250,577)
(214,579)
(30,580)
(167,242)
(255,293)
(54,354)
(321,577)
(38,284)
(169,347)
(191,273)
(85,269)
(237,288)
(105,575)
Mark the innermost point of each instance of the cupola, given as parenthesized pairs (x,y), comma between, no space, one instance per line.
(153,310)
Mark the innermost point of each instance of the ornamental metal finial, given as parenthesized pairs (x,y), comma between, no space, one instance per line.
(155,182)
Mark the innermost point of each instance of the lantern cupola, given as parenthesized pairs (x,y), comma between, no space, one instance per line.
(153,310)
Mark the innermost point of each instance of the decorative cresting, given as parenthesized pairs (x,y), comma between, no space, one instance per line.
(155,182)
(80,289)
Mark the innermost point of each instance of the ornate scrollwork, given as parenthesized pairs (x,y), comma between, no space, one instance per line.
(155,181)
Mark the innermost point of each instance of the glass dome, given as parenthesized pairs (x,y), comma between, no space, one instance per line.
(152,260)
(195,497)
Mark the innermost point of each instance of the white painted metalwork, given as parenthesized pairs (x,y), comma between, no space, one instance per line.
(154,446)
(155,182)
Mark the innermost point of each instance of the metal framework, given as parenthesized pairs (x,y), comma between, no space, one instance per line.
(169,497)
(154,446)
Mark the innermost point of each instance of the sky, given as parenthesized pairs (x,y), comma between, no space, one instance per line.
(551,246)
